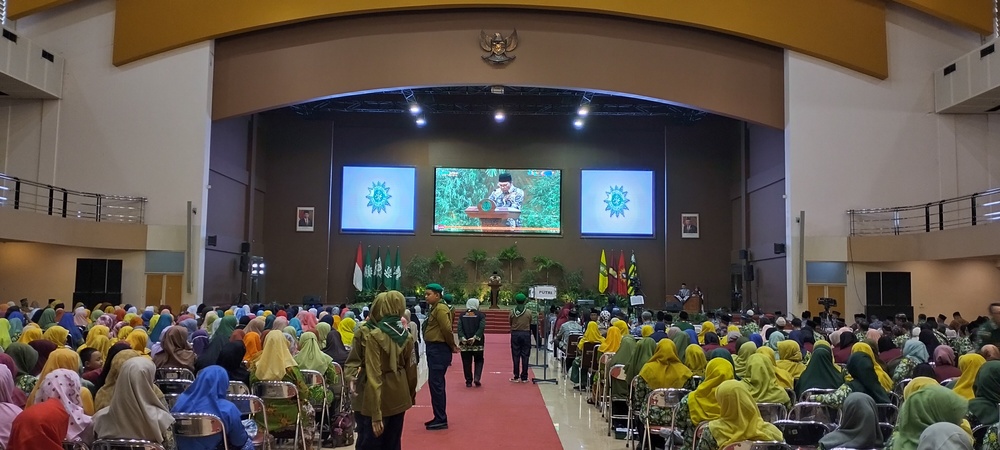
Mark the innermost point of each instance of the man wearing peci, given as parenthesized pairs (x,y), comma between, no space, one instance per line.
(507,195)
(306,219)
(441,344)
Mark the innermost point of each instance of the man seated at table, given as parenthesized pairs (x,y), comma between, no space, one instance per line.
(571,326)
(683,294)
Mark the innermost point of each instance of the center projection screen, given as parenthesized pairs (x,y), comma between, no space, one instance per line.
(487,200)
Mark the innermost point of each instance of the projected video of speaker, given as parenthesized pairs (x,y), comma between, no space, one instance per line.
(378,199)
(617,203)
(522,201)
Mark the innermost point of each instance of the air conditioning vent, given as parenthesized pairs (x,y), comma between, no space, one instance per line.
(970,84)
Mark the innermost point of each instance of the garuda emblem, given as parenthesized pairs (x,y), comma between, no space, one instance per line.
(498,46)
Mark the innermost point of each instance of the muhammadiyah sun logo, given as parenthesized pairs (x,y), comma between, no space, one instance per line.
(378,197)
(617,201)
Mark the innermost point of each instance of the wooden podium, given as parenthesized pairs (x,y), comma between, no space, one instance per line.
(490,215)
(693,304)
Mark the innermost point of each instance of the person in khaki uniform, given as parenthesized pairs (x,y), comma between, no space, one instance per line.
(386,376)
(440,346)
(520,339)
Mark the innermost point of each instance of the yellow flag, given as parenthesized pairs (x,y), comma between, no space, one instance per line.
(602,282)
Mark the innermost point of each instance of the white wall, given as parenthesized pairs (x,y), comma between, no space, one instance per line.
(853,141)
(140,129)
(43,271)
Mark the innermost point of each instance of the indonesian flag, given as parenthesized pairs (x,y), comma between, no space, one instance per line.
(358,275)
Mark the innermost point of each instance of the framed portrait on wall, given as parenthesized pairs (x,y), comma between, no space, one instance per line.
(305,219)
(690,226)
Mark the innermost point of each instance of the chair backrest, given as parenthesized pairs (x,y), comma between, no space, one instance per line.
(246,403)
(238,388)
(814,412)
(664,398)
(313,378)
(70,445)
(124,444)
(594,359)
(698,432)
(275,390)
(887,413)
(606,358)
(171,400)
(887,429)
(772,412)
(572,344)
(979,434)
(808,393)
(339,372)
(176,386)
(947,382)
(196,425)
(896,399)
(174,373)
(902,385)
(587,353)
(617,373)
(696,381)
(803,434)
(757,445)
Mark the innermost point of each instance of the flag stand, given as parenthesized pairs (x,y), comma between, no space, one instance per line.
(544,366)
(537,293)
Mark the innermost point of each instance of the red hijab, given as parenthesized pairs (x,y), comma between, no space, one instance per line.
(40,427)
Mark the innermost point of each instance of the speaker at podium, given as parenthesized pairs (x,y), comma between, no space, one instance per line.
(491,217)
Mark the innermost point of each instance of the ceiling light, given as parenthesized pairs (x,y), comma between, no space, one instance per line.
(414,109)
(583,111)
(498,90)
(984,204)
(499,116)
(421,121)
(578,123)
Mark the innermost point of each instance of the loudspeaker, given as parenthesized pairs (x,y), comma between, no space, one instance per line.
(896,289)
(91,275)
(873,288)
(244,263)
(779,248)
(245,247)
(750,272)
(113,284)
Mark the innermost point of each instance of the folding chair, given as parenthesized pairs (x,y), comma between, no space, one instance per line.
(616,373)
(250,406)
(698,431)
(772,412)
(901,386)
(572,351)
(696,381)
(758,445)
(887,413)
(632,409)
(70,445)
(339,386)
(597,392)
(814,412)
(198,425)
(896,398)
(314,378)
(979,434)
(887,429)
(662,398)
(808,393)
(586,356)
(281,390)
(804,433)
(238,388)
(125,444)
(174,373)
(947,382)
(176,386)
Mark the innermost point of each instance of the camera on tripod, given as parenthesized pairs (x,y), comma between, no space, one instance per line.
(827,303)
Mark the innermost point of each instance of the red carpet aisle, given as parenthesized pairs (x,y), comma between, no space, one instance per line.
(499,415)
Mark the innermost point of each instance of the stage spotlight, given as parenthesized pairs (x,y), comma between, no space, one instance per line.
(583,111)
(499,116)
(421,121)
(578,124)
(414,109)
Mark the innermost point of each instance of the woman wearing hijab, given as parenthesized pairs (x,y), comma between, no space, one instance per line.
(742,357)
(821,373)
(47,319)
(252,345)
(44,349)
(165,320)
(231,359)
(40,427)
(712,342)
(914,352)
(859,427)
(471,340)
(883,377)
(335,348)
(970,365)
(990,352)
(25,357)
(74,333)
(790,358)
(987,390)
(310,357)
(177,352)
(226,327)
(237,335)
(887,350)
(664,370)
(591,334)
(948,436)
(763,383)
(16,325)
(30,334)
(135,411)
(57,335)
(843,349)
(694,359)
(930,405)
(346,329)
(63,358)
(757,340)
(5,334)
(945,365)
(9,409)
(199,342)
(863,379)
(776,337)
(64,386)
(296,324)
(681,342)
(706,327)
(739,421)
(388,377)
(106,392)
(208,395)
(275,363)
(702,404)
(784,379)
(620,387)
(659,332)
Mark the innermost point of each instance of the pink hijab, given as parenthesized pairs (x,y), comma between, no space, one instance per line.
(8,404)
(308,320)
(15,396)
(873,335)
(64,385)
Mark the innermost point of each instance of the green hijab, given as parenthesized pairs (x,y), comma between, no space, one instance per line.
(742,340)
(227,325)
(310,357)
(762,382)
(640,356)
(775,338)
(681,341)
(721,353)
(25,357)
(928,406)
(48,319)
(323,329)
(862,369)
(620,388)
(742,356)
(820,373)
(987,390)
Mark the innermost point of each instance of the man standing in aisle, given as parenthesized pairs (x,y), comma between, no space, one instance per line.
(520,339)
(441,345)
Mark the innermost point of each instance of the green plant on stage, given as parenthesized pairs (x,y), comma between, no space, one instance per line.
(546,265)
(572,282)
(366,296)
(476,258)
(458,285)
(529,278)
(510,256)
(490,265)
(418,273)
(439,262)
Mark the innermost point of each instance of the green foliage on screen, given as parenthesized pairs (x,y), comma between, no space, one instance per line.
(453,194)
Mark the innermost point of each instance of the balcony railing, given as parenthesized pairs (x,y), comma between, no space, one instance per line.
(27,195)
(965,211)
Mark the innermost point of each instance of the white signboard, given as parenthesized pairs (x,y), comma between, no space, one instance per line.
(638,300)
(543,292)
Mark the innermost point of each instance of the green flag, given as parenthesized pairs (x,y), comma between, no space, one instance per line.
(369,270)
(387,277)
(377,275)
(397,273)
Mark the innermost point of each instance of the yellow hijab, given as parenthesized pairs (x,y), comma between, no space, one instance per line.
(138,340)
(612,342)
(346,330)
(791,358)
(740,419)
(30,333)
(56,335)
(694,359)
(785,379)
(743,354)
(272,362)
(883,378)
(707,327)
(969,365)
(917,384)
(97,330)
(591,335)
(762,382)
(124,332)
(702,403)
(647,331)
(665,370)
(4,333)
(621,326)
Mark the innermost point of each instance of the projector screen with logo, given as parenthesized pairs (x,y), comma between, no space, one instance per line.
(378,199)
(617,203)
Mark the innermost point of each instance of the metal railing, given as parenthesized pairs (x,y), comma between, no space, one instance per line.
(965,211)
(27,195)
